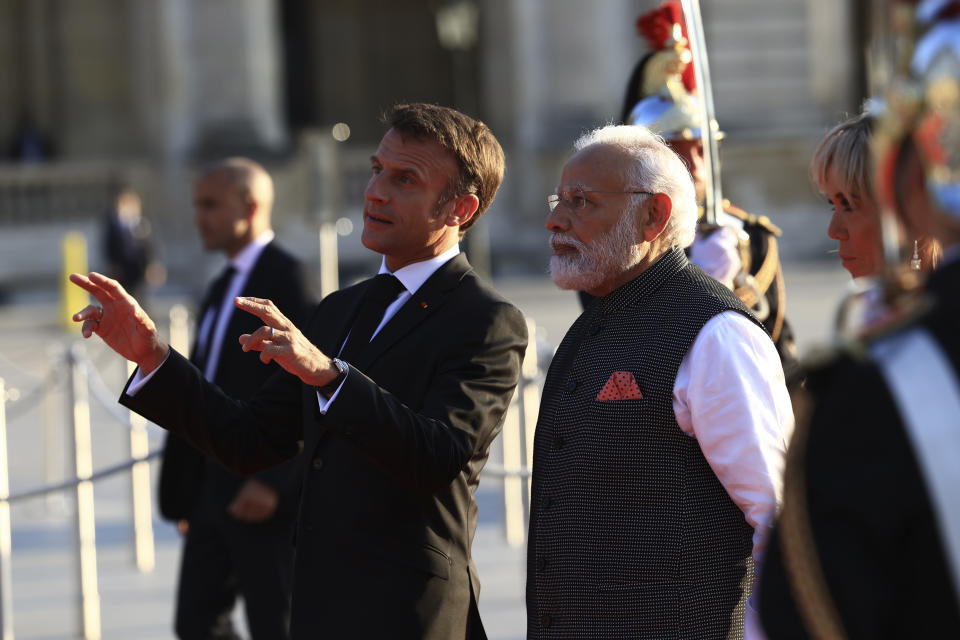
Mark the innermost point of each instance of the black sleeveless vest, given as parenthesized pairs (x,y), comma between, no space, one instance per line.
(631,534)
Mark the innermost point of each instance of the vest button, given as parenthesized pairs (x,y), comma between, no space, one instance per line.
(541,564)
(547,502)
(545,621)
(559,442)
(571,385)
(317,464)
(594,329)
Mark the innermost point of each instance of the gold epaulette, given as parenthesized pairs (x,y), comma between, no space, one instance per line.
(749,218)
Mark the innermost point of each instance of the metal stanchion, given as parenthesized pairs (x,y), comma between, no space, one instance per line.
(326,201)
(530,398)
(6,582)
(329,261)
(180,329)
(143,547)
(53,462)
(513,485)
(85,520)
(518,431)
(72,298)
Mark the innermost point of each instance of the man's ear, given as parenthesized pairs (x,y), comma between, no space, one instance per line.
(463,209)
(658,214)
(250,206)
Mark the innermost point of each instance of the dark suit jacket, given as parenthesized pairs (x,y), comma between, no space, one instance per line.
(871,522)
(188,479)
(387,514)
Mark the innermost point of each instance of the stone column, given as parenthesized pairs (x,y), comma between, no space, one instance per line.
(552,68)
(237,85)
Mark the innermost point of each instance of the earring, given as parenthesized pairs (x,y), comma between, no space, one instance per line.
(915,260)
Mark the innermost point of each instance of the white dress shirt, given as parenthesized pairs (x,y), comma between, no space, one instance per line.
(217,319)
(214,323)
(412,278)
(730,395)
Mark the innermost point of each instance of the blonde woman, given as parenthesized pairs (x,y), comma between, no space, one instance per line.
(842,169)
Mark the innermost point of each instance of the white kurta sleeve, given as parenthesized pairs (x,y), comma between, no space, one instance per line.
(730,395)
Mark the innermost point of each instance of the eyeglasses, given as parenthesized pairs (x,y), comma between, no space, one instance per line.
(576,200)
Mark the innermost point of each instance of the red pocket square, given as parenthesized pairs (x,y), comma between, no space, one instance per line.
(621,386)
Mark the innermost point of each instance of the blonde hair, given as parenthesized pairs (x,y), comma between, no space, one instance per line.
(845,152)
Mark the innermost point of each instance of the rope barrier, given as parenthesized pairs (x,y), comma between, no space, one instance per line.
(26,399)
(99,390)
(20,371)
(69,484)
(490,469)
(51,381)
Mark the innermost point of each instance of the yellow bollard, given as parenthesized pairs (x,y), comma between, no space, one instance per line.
(72,297)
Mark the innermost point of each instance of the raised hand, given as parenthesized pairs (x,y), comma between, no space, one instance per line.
(119,321)
(281,342)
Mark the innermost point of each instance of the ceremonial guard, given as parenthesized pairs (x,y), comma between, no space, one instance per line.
(868,542)
(739,249)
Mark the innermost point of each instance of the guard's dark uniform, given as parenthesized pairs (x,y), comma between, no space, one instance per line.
(868,541)
(760,257)
(858,540)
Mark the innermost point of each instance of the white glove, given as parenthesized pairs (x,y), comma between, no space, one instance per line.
(717,254)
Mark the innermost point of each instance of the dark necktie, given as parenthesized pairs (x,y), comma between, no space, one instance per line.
(382,291)
(212,302)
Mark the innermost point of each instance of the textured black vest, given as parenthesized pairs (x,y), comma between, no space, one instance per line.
(631,533)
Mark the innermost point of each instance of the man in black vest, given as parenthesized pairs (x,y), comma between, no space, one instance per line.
(664,417)
(394,391)
(237,530)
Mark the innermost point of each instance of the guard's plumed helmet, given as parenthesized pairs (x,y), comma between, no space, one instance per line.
(662,91)
(918,80)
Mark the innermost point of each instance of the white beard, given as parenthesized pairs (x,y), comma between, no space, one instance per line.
(586,268)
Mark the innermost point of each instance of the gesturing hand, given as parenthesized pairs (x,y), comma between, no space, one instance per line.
(119,321)
(281,342)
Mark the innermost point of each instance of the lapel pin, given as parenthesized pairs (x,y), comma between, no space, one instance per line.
(423,303)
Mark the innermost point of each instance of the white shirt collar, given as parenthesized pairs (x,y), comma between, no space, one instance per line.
(414,275)
(247,257)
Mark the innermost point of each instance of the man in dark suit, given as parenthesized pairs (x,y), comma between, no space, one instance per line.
(868,542)
(397,428)
(237,531)
(664,417)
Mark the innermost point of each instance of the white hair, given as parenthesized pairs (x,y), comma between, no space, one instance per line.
(656,168)
(586,268)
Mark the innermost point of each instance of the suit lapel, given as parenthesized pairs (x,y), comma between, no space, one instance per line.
(424,302)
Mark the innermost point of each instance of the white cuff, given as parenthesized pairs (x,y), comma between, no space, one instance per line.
(139,379)
(324,403)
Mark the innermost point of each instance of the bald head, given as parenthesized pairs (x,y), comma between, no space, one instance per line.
(233,200)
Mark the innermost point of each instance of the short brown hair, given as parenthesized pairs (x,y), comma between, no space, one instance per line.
(478,154)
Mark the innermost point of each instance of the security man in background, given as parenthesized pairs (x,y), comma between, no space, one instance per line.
(237,531)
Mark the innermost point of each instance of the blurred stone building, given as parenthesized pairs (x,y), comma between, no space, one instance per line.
(98,93)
